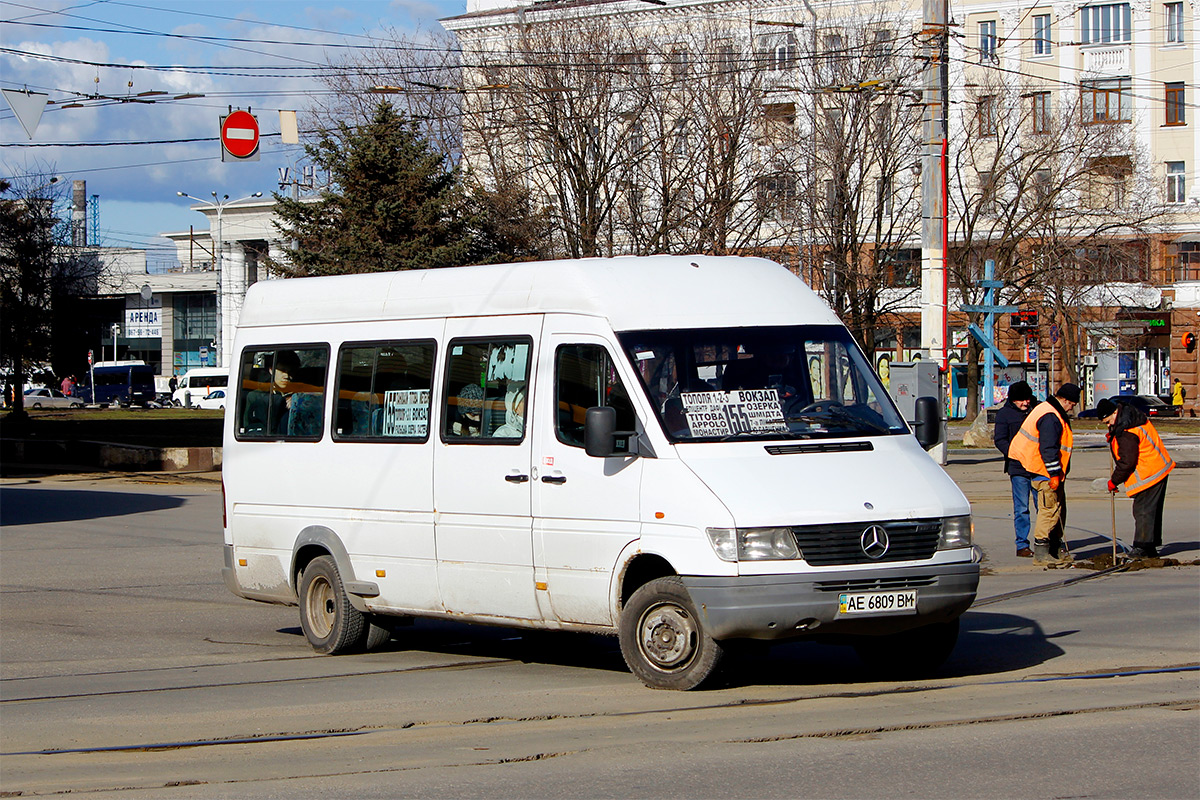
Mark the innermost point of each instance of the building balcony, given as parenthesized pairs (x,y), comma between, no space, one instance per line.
(1106,61)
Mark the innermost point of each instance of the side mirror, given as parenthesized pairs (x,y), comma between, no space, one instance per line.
(928,425)
(599,432)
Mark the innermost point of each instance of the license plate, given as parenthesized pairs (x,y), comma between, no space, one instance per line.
(878,603)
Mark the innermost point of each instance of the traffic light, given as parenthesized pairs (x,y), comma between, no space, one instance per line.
(1189,342)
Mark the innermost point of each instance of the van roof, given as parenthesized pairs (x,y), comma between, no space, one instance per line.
(633,293)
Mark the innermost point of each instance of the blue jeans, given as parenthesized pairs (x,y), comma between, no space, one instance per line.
(1021,488)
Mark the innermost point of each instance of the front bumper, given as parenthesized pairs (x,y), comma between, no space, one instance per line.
(787,606)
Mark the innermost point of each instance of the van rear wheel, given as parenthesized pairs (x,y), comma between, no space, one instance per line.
(663,639)
(331,624)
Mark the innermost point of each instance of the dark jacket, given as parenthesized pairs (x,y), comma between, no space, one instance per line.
(1050,432)
(1008,422)
(1127,443)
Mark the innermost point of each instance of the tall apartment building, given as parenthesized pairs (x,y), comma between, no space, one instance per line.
(793,129)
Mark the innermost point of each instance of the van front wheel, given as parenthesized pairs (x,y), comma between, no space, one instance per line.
(331,624)
(663,640)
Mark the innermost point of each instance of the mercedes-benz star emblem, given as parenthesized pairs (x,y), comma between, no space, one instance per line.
(874,542)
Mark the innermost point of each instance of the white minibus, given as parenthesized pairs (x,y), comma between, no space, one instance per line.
(197,382)
(684,451)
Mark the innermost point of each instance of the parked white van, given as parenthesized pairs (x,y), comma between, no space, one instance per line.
(197,382)
(686,451)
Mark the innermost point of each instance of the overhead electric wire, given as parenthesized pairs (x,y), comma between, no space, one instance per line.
(235,39)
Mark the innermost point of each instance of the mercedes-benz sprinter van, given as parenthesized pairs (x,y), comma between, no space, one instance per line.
(684,451)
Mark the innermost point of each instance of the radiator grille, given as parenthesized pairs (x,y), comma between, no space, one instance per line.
(876,584)
(828,545)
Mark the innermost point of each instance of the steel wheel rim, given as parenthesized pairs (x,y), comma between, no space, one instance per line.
(667,636)
(321,607)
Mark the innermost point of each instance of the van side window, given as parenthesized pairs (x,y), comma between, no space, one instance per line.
(383,391)
(584,377)
(486,388)
(281,393)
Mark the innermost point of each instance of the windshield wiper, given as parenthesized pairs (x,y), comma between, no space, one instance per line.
(838,413)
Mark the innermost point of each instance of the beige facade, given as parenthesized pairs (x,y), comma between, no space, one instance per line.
(1131,65)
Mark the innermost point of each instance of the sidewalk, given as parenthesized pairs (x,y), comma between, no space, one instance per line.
(980,475)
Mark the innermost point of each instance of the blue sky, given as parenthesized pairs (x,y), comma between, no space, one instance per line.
(137,183)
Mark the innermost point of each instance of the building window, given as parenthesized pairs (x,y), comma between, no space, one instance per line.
(1041,186)
(985,110)
(1041,34)
(679,63)
(1176,110)
(987,42)
(881,46)
(1174,22)
(679,139)
(1107,101)
(987,192)
(1105,24)
(1176,185)
(834,50)
(1185,264)
(778,53)
(1107,179)
(900,268)
(1041,112)
(883,197)
(637,136)
(776,196)
(726,62)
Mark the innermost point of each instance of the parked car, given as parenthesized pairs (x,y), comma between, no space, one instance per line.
(1155,407)
(50,398)
(215,399)
(1148,404)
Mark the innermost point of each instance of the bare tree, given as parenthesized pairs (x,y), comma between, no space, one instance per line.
(860,195)
(420,74)
(1048,194)
(38,267)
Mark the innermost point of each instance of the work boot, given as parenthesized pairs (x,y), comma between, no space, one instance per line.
(1024,552)
(1041,552)
(1060,553)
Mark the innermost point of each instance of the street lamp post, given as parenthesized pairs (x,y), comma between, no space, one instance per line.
(219,203)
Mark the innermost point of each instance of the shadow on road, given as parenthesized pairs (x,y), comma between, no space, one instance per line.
(989,644)
(22,506)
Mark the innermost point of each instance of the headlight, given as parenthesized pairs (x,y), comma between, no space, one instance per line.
(956,532)
(753,544)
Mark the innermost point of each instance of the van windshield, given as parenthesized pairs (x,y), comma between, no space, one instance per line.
(793,382)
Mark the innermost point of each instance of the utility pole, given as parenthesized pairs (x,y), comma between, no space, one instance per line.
(934,288)
(934,198)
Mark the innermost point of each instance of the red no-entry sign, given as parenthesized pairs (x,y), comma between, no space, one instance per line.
(239,137)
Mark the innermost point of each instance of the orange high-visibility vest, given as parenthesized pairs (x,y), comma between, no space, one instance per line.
(1024,447)
(1153,460)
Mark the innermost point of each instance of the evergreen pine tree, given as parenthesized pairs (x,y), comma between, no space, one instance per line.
(392,203)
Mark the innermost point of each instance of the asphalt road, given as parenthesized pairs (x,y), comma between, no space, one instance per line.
(128,670)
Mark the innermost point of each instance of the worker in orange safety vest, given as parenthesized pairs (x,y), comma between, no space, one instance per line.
(1142,465)
(1043,447)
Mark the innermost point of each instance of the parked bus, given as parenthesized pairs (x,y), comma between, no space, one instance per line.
(683,451)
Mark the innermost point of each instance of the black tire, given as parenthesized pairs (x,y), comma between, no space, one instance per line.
(37,405)
(663,639)
(377,634)
(331,624)
(916,653)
